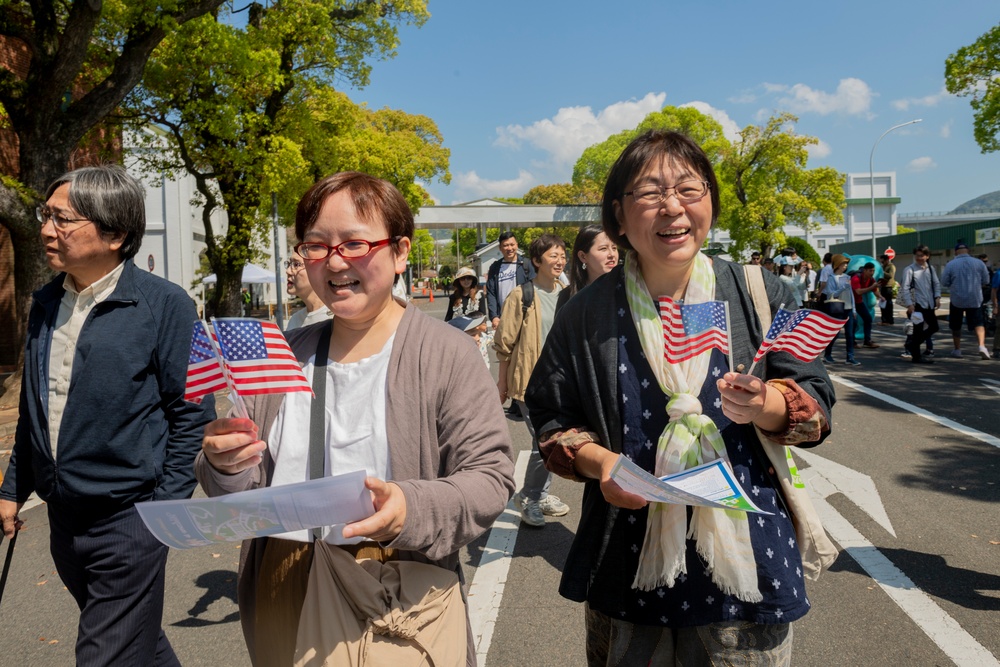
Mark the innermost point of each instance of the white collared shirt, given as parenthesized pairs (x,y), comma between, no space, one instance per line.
(74,309)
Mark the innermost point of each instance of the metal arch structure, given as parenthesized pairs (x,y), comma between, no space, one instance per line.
(489,213)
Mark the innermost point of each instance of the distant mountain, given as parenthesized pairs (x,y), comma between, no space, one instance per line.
(987,202)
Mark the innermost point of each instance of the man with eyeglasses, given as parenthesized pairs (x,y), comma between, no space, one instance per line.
(298,285)
(103,423)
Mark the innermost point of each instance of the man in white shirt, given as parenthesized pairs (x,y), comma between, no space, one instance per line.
(297,284)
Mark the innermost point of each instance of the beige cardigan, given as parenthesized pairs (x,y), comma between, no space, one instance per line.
(448,444)
(518,340)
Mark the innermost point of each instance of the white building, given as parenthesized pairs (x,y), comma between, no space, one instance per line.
(175,234)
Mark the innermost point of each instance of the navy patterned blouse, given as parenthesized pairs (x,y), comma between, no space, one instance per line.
(694,599)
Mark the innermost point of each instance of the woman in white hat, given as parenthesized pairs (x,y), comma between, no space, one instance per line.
(466,298)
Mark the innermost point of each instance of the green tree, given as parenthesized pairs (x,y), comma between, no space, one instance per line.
(804,250)
(252,110)
(422,250)
(84,56)
(974,71)
(591,170)
(770,186)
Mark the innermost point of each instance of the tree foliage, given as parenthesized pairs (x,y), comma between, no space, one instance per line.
(591,170)
(252,110)
(82,58)
(974,71)
(765,170)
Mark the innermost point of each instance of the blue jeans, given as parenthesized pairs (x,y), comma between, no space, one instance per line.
(848,333)
(866,321)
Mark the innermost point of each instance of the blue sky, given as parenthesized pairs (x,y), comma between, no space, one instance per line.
(519,89)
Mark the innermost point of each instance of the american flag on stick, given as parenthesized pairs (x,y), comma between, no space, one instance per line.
(804,334)
(257,357)
(690,329)
(204,373)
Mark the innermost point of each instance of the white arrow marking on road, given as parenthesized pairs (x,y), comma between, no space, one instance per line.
(991,384)
(829,477)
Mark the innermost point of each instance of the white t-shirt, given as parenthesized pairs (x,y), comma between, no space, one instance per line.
(507,281)
(355,429)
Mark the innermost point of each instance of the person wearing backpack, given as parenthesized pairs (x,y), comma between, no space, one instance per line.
(527,317)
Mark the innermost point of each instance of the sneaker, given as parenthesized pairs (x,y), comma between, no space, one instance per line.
(984,353)
(871,345)
(957,354)
(531,513)
(906,354)
(928,353)
(852,362)
(552,506)
(829,360)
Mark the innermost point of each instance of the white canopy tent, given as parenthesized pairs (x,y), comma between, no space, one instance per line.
(251,274)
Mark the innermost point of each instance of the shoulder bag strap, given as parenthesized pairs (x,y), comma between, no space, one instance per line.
(758,293)
(317,412)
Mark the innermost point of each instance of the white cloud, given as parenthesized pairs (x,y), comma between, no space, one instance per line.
(729,127)
(819,150)
(470,186)
(745,97)
(852,97)
(921,164)
(946,129)
(572,129)
(925,101)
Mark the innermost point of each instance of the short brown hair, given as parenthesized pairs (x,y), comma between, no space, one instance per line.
(375,200)
(654,144)
(542,245)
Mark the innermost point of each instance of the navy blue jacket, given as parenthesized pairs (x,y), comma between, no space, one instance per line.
(525,272)
(127,434)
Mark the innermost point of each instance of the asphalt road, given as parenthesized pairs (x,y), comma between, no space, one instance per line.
(926,525)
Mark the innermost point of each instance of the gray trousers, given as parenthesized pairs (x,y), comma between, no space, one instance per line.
(614,642)
(537,479)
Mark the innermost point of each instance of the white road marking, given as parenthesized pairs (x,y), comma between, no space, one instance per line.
(486,590)
(991,384)
(829,477)
(943,630)
(938,419)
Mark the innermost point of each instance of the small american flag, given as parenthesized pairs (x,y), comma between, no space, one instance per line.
(804,334)
(258,358)
(204,374)
(689,330)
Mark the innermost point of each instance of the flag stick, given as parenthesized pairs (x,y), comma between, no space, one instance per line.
(729,338)
(6,563)
(754,363)
(234,395)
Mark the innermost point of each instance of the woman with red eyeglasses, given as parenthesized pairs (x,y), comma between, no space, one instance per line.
(438,474)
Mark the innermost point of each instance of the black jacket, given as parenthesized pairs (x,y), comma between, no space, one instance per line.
(575,384)
(525,272)
(127,434)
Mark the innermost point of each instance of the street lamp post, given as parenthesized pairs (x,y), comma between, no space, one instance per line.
(871,173)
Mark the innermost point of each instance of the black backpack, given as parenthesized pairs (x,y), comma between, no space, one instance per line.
(527,296)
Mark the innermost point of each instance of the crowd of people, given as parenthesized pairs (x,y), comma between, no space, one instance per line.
(843,292)
(580,349)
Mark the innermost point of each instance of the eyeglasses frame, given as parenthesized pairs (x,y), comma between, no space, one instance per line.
(43,214)
(665,193)
(372,245)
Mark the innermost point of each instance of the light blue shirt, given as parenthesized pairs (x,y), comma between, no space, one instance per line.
(965,276)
